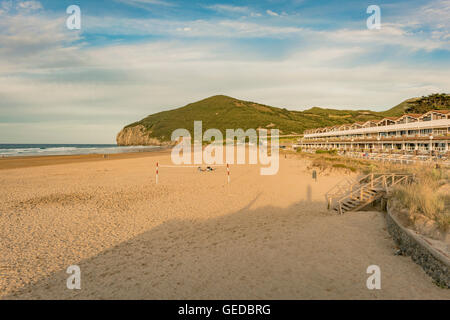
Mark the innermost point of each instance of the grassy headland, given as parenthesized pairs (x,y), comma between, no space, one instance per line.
(223,112)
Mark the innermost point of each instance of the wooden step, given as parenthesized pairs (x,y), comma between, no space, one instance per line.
(351,200)
(359,196)
(347,207)
(350,205)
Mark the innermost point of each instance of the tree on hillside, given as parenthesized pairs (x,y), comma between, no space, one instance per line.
(436,101)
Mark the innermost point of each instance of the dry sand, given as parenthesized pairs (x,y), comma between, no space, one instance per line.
(191,236)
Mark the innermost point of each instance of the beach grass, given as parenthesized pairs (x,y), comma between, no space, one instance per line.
(426,196)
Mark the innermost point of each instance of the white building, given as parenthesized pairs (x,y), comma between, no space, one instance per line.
(411,133)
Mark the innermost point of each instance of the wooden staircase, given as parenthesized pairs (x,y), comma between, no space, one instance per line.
(354,196)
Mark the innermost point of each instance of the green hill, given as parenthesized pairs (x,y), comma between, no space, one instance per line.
(224,112)
(437,101)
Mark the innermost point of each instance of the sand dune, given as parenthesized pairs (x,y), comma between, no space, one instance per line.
(191,236)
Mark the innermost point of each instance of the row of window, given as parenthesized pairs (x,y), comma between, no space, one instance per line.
(390,134)
(432,115)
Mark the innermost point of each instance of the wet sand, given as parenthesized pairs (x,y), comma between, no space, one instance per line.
(36,161)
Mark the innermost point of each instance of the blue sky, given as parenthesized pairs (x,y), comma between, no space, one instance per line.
(132,58)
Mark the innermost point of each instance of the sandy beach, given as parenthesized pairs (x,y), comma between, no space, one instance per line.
(192,236)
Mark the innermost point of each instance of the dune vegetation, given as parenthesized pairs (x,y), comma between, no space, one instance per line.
(423,204)
(426,201)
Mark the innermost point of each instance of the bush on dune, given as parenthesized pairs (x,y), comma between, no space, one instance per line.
(333,151)
(426,196)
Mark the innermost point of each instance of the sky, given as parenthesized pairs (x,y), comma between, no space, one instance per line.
(132,58)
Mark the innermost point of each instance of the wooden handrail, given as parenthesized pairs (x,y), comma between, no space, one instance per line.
(381,181)
(332,193)
(358,188)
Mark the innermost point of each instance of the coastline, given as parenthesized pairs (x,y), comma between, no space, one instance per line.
(16,162)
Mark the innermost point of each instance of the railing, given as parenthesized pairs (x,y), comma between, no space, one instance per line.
(342,188)
(381,183)
(339,189)
(421,125)
(440,156)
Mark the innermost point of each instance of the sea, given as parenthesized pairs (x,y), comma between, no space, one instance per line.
(15,150)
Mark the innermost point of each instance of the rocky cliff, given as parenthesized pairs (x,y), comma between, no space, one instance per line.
(136,136)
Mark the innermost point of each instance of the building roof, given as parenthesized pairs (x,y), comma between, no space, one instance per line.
(373,121)
(413,115)
(435,111)
(440,111)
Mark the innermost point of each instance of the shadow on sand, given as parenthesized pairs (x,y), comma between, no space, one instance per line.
(301,251)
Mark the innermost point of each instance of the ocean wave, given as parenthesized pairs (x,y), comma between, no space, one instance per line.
(59,149)
(70,150)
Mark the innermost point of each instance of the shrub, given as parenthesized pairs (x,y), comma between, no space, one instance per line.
(344,166)
(423,196)
(326,151)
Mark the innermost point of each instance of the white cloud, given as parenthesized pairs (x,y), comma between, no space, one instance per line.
(51,132)
(272,13)
(436,13)
(145,4)
(6,6)
(432,16)
(228,8)
(29,5)
(32,41)
(148,75)
(398,34)
(389,34)
(220,28)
